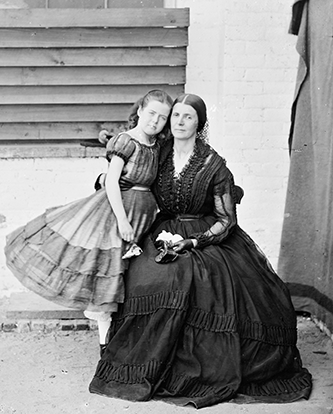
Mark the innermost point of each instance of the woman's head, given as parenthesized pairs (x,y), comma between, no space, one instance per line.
(188,117)
(152,111)
(197,104)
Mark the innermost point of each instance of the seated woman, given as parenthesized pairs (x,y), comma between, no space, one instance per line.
(218,321)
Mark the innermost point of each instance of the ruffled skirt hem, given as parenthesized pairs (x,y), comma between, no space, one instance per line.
(72,254)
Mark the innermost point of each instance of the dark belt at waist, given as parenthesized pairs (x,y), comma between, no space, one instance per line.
(163,216)
(188,217)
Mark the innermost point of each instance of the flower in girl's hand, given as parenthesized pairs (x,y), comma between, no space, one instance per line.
(134,250)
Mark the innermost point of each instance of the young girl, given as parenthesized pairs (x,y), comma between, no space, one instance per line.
(72,254)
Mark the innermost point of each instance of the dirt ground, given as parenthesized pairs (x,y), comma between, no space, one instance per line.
(49,374)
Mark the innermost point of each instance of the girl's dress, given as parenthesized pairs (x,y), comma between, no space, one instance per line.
(213,324)
(72,254)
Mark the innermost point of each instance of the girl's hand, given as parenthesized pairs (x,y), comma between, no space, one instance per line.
(126,230)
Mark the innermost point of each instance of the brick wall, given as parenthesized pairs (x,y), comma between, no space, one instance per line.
(243,63)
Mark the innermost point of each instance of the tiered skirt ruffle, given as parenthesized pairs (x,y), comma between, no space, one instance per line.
(72,254)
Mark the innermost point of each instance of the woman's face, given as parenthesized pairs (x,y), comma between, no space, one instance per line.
(153,117)
(184,121)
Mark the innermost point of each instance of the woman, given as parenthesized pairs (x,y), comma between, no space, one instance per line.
(217,321)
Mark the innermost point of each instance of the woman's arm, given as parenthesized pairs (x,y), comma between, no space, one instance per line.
(114,195)
(224,211)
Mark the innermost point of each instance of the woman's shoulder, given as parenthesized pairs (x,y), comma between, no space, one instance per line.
(211,155)
(166,146)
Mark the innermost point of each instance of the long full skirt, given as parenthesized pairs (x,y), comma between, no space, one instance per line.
(72,254)
(215,323)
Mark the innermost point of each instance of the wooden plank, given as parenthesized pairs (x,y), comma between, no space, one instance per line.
(64,113)
(56,131)
(98,76)
(99,4)
(135,3)
(76,4)
(99,37)
(37,18)
(22,4)
(49,150)
(126,94)
(94,57)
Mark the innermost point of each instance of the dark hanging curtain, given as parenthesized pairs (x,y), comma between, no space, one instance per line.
(306,255)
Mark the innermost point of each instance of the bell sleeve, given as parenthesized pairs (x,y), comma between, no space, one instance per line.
(121,145)
(224,211)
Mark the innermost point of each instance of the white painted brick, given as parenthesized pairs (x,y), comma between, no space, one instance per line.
(242,142)
(234,74)
(233,156)
(260,19)
(252,128)
(243,114)
(257,47)
(233,128)
(276,142)
(235,101)
(280,62)
(245,61)
(269,183)
(267,101)
(273,88)
(281,128)
(276,114)
(243,88)
(262,74)
(244,32)
(235,48)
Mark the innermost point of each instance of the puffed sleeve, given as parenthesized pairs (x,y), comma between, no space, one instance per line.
(121,145)
(224,210)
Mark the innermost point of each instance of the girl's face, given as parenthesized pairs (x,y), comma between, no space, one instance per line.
(153,117)
(184,121)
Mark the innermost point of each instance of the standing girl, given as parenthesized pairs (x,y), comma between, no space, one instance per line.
(72,254)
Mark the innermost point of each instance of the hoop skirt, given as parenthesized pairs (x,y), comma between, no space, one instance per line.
(215,323)
(72,254)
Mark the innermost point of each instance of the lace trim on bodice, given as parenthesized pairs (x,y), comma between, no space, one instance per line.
(205,179)
(176,191)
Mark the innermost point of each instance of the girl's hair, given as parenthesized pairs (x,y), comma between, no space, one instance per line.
(153,95)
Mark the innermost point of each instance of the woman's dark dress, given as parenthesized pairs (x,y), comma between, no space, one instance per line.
(216,322)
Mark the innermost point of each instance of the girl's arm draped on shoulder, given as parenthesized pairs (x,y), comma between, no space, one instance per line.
(224,210)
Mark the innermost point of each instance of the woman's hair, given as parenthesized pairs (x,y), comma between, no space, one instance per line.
(153,95)
(198,104)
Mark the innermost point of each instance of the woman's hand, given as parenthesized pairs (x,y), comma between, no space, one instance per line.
(182,245)
(126,230)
